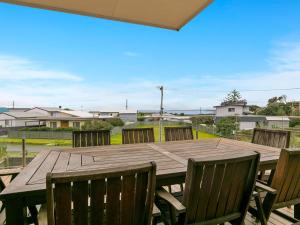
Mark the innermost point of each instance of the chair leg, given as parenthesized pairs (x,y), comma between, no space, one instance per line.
(297,211)
(260,210)
(34,214)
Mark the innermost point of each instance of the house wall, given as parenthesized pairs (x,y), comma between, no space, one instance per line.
(128,117)
(223,111)
(59,123)
(247,125)
(277,124)
(3,118)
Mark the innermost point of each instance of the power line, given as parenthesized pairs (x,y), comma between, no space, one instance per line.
(246,90)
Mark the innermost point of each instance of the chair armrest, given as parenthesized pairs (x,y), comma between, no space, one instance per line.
(170,199)
(266,188)
(155,211)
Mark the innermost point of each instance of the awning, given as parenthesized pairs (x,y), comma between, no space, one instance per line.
(170,14)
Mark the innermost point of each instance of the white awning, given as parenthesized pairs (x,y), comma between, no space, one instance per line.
(170,14)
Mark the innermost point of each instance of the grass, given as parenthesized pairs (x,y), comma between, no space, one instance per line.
(54,142)
(115,139)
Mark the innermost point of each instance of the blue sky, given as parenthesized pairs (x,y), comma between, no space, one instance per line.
(52,58)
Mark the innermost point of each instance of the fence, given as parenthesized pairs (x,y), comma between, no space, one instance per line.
(65,135)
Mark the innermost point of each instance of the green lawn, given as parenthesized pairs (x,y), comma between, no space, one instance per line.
(54,142)
(115,139)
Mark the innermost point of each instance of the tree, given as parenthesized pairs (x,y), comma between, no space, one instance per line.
(233,97)
(277,106)
(226,126)
(254,108)
(208,120)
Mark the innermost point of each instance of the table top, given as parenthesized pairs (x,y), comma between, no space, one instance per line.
(171,159)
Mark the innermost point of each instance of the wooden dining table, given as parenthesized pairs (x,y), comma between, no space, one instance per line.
(29,187)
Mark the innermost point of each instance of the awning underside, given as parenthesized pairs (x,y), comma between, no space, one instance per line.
(171,14)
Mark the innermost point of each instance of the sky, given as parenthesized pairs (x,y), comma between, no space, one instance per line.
(51,58)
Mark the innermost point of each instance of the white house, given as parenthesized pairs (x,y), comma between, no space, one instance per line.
(232,109)
(19,119)
(46,111)
(70,118)
(249,122)
(127,115)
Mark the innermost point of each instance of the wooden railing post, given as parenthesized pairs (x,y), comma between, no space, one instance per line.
(23,153)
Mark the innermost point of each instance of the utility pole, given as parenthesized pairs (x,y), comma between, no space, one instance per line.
(126,106)
(161,112)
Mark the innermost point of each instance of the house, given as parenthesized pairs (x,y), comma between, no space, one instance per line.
(70,119)
(232,109)
(47,111)
(19,119)
(249,122)
(277,122)
(127,115)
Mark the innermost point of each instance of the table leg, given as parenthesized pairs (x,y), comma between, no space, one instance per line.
(297,211)
(14,212)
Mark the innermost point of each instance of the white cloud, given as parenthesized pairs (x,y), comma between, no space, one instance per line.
(15,68)
(189,92)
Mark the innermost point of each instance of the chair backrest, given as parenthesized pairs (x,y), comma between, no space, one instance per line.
(178,133)
(286,179)
(218,189)
(112,196)
(273,138)
(90,138)
(137,135)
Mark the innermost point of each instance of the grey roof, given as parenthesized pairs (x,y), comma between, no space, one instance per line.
(18,114)
(48,109)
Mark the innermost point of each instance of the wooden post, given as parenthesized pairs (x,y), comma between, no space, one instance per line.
(23,153)
(197,129)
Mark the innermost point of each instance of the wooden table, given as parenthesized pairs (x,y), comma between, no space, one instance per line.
(28,188)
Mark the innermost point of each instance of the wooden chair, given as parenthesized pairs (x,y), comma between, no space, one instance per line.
(12,173)
(178,133)
(283,191)
(110,196)
(272,138)
(137,135)
(90,138)
(217,190)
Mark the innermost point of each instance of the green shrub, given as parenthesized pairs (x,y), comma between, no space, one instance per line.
(48,129)
(208,120)
(226,126)
(294,122)
(116,122)
(96,125)
(3,151)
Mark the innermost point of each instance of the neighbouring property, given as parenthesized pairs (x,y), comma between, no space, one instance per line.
(127,115)
(57,117)
(232,109)
(19,119)
(249,122)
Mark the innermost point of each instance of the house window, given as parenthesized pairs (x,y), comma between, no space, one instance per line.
(231,109)
(53,124)
(6,123)
(76,124)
